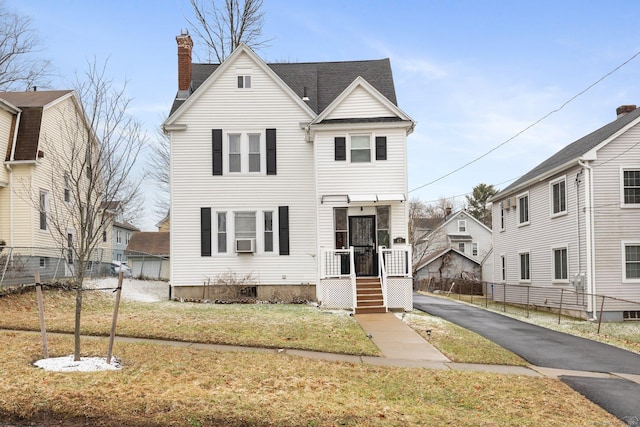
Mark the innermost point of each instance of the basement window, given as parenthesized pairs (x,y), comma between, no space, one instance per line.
(631,315)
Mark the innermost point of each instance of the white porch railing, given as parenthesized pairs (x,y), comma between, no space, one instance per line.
(394,262)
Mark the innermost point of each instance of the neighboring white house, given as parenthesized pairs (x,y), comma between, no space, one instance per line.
(469,239)
(39,131)
(573,223)
(277,170)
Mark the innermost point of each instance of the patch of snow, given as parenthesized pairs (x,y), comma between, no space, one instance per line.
(86,364)
(133,289)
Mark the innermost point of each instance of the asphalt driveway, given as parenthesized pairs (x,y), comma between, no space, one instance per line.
(546,348)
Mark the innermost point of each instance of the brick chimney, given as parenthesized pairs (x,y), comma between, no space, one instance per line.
(185,45)
(624,109)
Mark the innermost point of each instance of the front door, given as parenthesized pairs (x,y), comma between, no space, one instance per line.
(362,236)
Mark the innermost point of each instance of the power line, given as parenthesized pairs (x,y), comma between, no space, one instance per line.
(530,126)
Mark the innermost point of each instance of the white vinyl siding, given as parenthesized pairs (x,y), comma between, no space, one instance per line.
(360,104)
(265,106)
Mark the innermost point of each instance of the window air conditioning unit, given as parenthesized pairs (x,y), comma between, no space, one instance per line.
(245,245)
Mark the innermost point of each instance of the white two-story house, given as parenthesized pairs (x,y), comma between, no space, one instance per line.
(573,223)
(288,180)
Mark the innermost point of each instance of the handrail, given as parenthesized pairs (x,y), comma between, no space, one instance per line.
(352,270)
(383,274)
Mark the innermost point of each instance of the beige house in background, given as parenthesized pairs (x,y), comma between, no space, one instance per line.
(37,131)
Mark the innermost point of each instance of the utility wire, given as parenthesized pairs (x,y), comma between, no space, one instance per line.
(530,126)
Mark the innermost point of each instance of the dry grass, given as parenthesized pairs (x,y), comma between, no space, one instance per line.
(459,344)
(162,386)
(260,325)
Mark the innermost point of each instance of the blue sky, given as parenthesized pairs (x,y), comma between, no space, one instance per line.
(472,74)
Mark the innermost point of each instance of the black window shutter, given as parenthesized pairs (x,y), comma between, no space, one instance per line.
(381,148)
(340,148)
(205,231)
(283,225)
(216,138)
(271,152)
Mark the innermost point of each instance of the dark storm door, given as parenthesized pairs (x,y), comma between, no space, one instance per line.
(362,236)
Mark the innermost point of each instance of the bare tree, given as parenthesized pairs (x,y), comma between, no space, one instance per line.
(92,165)
(424,221)
(20,68)
(223,24)
(159,164)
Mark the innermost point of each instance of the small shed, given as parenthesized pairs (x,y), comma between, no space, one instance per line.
(148,255)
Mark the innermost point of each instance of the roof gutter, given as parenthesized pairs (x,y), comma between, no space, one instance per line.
(538,178)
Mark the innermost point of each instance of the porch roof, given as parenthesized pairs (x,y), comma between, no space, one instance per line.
(363,198)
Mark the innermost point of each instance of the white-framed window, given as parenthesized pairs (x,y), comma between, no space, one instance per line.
(631,264)
(235,153)
(340,225)
(222,232)
(118,236)
(127,236)
(558,190)
(525,267)
(475,250)
(360,148)
(43,262)
(503,268)
(245,224)
(522,208)
(462,226)
(104,236)
(630,187)
(268,231)
(501,217)
(118,257)
(560,264)
(244,81)
(461,246)
(44,210)
(254,152)
(67,188)
(245,152)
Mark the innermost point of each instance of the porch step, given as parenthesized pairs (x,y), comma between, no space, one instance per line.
(369,310)
(369,297)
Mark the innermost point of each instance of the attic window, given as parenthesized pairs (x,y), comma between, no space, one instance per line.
(244,82)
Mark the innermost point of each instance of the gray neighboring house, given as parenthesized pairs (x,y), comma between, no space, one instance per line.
(452,246)
(120,231)
(573,223)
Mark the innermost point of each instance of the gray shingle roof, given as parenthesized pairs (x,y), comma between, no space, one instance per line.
(324,80)
(574,150)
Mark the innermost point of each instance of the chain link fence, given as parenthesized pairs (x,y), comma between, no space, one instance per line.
(19,264)
(568,302)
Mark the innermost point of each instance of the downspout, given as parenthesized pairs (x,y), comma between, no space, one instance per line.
(588,209)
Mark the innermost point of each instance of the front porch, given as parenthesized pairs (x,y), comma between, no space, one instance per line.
(343,287)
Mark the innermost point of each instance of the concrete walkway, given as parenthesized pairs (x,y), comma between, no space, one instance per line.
(396,340)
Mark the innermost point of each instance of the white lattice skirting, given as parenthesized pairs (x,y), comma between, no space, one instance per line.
(337,293)
(400,293)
